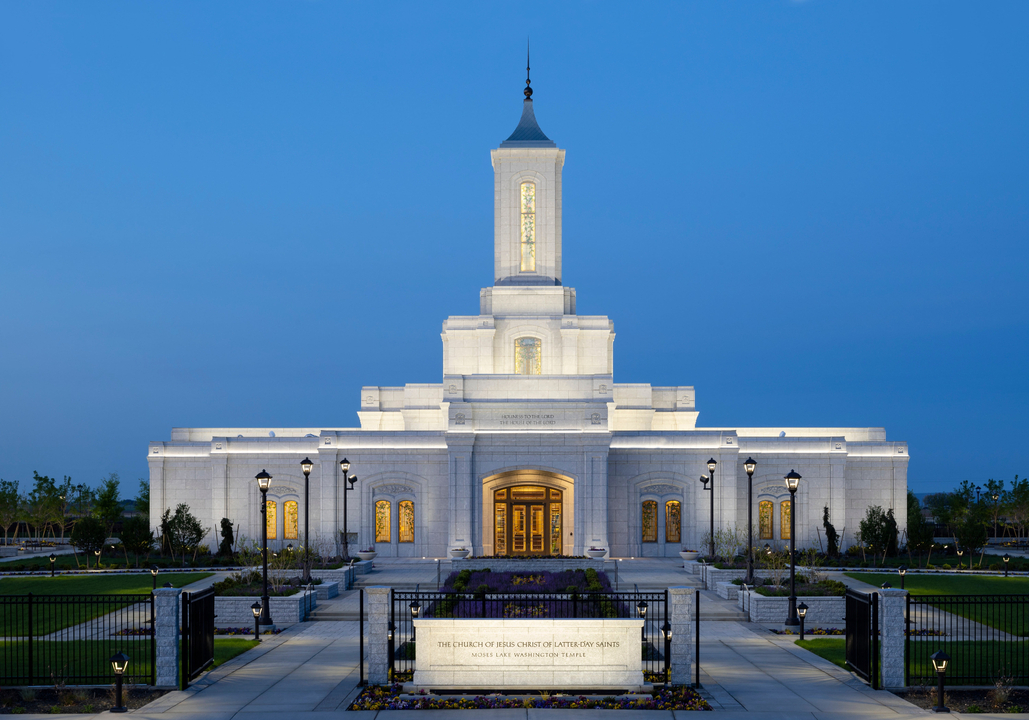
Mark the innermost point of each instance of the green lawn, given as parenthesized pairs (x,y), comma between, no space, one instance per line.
(1002,617)
(88,661)
(832,649)
(14,619)
(991,659)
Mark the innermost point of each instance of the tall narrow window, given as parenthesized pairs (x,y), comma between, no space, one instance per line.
(528,202)
(382,521)
(527,356)
(271,518)
(406,530)
(649,521)
(290,520)
(764,519)
(673,521)
(784,520)
(500,527)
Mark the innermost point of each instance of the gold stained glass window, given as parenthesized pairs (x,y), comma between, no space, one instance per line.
(764,519)
(555,529)
(271,518)
(527,356)
(673,521)
(649,521)
(382,521)
(406,530)
(291,520)
(500,527)
(784,520)
(528,231)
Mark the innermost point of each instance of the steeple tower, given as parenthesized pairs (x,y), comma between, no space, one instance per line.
(527,203)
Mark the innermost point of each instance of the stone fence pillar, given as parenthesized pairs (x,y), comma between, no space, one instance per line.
(892,607)
(377,609)
(166,637)
(681,609)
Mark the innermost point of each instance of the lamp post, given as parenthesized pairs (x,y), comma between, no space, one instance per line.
(53,559)
(802,613)
(704,479)
(792,482)
(344,465)
(256,609)
(666,630)
(711,464)
(960,553)
(903,570)
(940,661)
(119,662)
(416,608)
(750,466)
(307,466)
(153,574)
(264,481)
(995,497)
(1006,559)
(641,612)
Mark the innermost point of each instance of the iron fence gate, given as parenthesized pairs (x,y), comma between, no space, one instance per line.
(69,639)
(652,607)
(986,636)
(197,633)
(863,635)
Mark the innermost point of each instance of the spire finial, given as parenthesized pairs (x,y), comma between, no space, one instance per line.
(528,87)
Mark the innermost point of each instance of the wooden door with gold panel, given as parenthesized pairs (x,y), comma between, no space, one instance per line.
(527,520)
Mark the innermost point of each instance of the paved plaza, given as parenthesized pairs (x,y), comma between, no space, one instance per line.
(311,670)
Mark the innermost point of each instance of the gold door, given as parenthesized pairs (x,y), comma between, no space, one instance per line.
(527,521)
(518,529)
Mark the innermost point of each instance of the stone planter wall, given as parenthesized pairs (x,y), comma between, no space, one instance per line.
(692,567)
(512,565)
(236,612)
(712,575)
(326,590)
(726,590)
(822,611)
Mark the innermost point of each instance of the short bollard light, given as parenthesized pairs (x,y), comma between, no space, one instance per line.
(802,613)
(120,662)
(416,608)
(768,549)
(153,573)
(1006,559)
(256,609)
(886,586)
(940,662)
(289,548)
(903,570)
(53,559)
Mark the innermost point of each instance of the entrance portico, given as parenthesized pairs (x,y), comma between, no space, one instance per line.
(528,511)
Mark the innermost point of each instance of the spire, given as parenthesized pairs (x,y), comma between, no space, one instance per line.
(528,132)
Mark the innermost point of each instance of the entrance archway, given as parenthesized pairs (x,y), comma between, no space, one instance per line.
(527,512)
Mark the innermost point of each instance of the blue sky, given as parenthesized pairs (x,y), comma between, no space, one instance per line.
(236,214)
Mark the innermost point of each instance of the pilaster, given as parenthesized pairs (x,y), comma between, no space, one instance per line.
(892,608)
(378,634)
(462,493)
(166,637)
(681,606)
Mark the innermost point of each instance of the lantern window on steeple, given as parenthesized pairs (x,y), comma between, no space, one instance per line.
(527,356)
(528,232)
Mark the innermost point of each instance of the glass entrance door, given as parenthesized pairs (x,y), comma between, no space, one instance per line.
(527,520)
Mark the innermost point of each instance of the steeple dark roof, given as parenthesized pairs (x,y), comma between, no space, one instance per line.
(528,133)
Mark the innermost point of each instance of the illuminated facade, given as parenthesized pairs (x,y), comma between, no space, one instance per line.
(528,446)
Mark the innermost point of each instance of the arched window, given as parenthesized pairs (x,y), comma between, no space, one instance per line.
(764,519)
(528,232)
(649,521)
(290,520)
(271,517)
(784,520)
(527,356)
(406,531)
(673,521)
(382,521)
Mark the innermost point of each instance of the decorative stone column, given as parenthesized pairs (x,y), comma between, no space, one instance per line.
(377,609)
(892,606)
(681,606)
(166,636)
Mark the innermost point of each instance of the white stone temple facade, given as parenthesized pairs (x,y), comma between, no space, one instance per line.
(528,445)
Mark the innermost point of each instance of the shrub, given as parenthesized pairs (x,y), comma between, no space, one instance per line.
(946,566)
(994,566)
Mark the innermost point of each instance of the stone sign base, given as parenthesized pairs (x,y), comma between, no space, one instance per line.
(543,654)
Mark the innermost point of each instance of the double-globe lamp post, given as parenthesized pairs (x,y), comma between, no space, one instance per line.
(711,465)
(264,481)
(792,483)
(750,466)
(344,465)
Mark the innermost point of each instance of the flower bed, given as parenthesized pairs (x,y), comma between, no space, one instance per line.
(391,697)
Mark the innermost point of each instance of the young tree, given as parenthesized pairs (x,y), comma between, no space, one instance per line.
(137,537)
(43,504)
(225,547)
(1016,504)
(186,531)
(89,535)
(143,498)
(832,539)
(107,508)
(10,506)
(879,530)
(970,533)
(920,530)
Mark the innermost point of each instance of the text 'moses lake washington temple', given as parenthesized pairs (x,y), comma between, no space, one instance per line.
(528,446)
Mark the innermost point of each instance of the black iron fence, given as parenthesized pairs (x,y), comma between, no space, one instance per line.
(862,635)
(652,607)
(197,633)
(69,639)
(986,637)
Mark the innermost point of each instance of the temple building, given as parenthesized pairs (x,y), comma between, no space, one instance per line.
(527,445)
